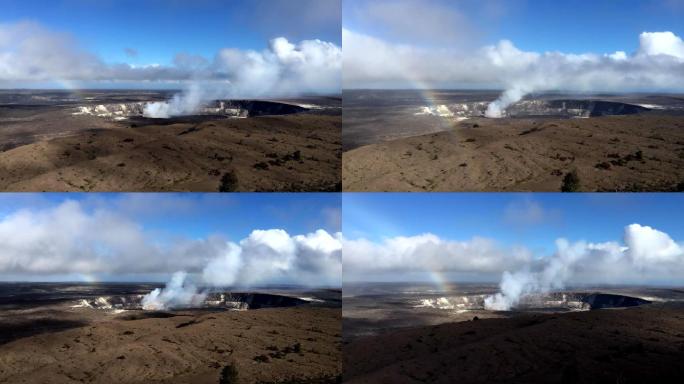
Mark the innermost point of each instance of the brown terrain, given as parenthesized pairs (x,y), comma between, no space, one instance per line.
(299,152)
(275,345)
(634,345)
(616,153)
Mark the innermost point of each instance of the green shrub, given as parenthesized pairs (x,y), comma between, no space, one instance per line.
(571,182)
(229,375)
(229,182)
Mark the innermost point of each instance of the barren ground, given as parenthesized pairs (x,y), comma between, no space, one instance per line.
(635,345)
(280,153)
(617,153)
(302,345)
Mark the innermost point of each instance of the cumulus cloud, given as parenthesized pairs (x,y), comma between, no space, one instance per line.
(284,68)
(31,53)
(370,62)
(68,239)
(274,255)
(646,256)
(429,253)
(661,43)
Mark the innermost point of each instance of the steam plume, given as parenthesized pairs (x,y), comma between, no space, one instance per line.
(260,258)
(647,253)
(285,69)
(176,294)
(181,104)
(497,108)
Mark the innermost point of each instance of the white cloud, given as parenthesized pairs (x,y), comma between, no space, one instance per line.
(68,239)
(646,256)
(274,255)
(661,43)
(649,246)
(429,253)
(31,53)
(285,68)
(370,62)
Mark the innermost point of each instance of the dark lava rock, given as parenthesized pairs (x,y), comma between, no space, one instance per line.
(605,300)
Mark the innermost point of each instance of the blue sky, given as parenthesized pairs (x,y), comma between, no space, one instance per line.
(571,26)
(531,220)
(198,215)
(159,29)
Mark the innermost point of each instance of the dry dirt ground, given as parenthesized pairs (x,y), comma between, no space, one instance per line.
(280,153)
(635,345)
(617,153)
(280,345)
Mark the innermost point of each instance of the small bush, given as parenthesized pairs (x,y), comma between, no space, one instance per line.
(261,359)
(229,182)
(571,182)
(261,165)
(229,375)
(603,165)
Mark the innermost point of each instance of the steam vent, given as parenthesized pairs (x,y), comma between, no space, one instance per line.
(216,109)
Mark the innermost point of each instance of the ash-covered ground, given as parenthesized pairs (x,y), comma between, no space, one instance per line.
(128,141)
(66,333)
(441,141)
(409,333)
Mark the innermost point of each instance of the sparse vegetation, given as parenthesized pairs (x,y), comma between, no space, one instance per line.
(261,359)
(229,182)
(622,161)
(261,165)
(531,130)
(571,182)
(603,165)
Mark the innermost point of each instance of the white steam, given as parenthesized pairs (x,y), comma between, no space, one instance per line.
(647,254)
(181,104)
(262,257)
(177,294)
(497,108)
(285,69)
